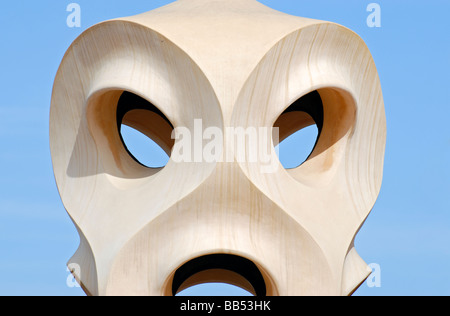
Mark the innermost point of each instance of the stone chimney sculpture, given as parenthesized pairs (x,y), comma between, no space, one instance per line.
(227,64)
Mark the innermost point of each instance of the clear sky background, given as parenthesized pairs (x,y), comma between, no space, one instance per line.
(408,232)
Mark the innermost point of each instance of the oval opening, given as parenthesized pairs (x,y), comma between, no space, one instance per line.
(300,126)
(144,130)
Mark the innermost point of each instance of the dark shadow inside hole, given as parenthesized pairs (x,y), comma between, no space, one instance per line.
(130,101)
(311,104)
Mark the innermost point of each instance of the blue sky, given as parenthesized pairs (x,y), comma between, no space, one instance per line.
(408,232)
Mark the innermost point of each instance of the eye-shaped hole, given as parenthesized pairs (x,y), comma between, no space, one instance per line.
(144,130)
(300,126)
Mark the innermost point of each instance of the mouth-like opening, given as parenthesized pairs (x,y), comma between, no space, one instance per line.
(220,268)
